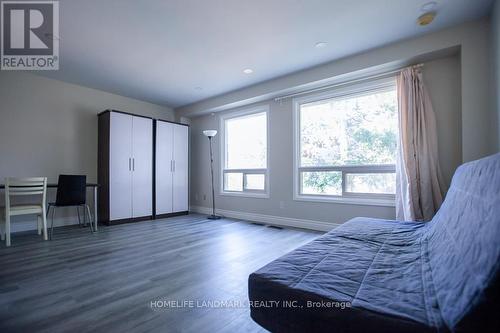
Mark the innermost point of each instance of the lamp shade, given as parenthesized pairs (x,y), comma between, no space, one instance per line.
(210,133)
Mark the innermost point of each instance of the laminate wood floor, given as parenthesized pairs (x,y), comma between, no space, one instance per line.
(106,281)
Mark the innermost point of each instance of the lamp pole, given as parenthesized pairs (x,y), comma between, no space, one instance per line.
(210,134)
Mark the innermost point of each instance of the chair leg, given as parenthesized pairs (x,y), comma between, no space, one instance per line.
(44,226)
(2,233)
(7,230)
(47,212)
(78,213)
(39,224)
(84,217)
(90,218)
(52,223)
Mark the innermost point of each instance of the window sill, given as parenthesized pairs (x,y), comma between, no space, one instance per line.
(245,194)
(348,200)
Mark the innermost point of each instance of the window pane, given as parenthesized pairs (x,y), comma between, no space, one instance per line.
(246,142)
(233,182)
(322,182)
(371,183)
(355,130)
(255,182)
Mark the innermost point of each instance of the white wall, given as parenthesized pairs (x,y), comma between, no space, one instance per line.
(495,27)
(472,38)
(49,127)
(442,77)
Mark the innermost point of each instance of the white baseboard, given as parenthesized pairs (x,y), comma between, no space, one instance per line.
(269,219)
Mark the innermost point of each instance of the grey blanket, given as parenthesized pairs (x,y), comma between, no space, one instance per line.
(395,276)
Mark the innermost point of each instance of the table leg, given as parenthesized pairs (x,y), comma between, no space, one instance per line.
(95,208)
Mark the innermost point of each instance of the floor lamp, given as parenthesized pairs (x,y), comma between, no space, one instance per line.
(210,134)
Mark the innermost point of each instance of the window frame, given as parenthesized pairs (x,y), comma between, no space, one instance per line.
(374,199)
(223,155)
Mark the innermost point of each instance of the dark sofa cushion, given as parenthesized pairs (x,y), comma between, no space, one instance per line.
(374,265)
(463,245)
(396,276)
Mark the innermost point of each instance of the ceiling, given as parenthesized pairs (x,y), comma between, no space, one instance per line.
(176,52)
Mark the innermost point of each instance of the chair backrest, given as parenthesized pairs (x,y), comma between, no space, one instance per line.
(463,241)
(25,186)
(71,190)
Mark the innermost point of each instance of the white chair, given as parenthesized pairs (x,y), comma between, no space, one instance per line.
(23,187)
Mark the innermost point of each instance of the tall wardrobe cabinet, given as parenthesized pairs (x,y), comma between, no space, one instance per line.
(142,168)
(171,166)
(125,167)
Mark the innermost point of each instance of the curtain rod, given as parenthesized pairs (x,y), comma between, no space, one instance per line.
(361,79)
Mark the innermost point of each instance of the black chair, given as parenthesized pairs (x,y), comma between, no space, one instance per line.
(71,192)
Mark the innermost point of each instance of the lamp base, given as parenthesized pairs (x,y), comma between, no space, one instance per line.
(214,217)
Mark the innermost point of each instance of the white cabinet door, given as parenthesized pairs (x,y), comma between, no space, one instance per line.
(142,166)
(120,166)
(164,159)
(181,169)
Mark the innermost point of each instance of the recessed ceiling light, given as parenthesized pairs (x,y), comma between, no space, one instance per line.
(429,6)
(248,71)
(426,18)
(320,45)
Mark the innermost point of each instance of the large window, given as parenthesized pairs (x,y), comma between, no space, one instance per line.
(345,144)
(245,153)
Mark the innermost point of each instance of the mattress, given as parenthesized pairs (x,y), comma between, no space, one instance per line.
(392,276)
(365,272)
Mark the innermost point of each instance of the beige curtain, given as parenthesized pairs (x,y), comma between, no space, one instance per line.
(420,188)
